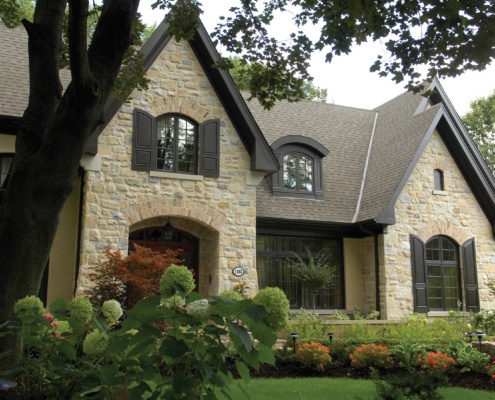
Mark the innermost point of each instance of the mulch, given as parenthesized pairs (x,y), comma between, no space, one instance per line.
(291,369)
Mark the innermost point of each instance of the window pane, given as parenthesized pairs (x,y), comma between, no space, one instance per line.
(305,173)
(265,267)
(438,179)
(185,147)
(311,245)
(165,144)
(5,171)
(288,244)
(289,166)
(265,243)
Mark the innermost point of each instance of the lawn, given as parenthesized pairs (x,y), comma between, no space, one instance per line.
(334,388)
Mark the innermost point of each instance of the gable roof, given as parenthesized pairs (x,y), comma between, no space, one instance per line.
(372,155)
(14,81)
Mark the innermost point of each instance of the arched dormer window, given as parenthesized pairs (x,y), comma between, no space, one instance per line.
(301,171)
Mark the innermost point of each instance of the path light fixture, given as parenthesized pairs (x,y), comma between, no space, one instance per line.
(330,337)
(480,336)
(294,337)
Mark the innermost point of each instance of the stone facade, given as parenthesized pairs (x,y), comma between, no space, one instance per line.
(423,212)
(220,212)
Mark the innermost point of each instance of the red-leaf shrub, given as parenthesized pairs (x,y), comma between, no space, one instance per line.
(131,278)
(371,355)
(313,354)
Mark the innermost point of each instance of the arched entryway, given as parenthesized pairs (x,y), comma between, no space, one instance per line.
(161,238)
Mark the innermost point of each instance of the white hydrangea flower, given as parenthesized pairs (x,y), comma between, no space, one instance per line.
(173,302)
(199,309)
(112,311)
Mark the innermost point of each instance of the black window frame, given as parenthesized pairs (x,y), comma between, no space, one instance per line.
(4,181)
(277,179)
(279,255)
(145,145)
(468,284)
(442,263)
(176,162)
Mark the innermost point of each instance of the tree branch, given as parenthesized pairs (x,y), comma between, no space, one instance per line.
(78,47)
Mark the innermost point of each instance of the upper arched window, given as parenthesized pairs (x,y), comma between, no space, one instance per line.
(300,173)
(175,143)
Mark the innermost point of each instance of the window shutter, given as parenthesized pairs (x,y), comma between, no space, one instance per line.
(143,144)
(470,276)
(209,164)
(418,259)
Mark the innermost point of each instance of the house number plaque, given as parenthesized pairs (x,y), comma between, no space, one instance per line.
(238,271)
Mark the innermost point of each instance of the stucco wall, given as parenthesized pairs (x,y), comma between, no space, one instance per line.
(353,275)
(221,212)
(7,143)
(419,211)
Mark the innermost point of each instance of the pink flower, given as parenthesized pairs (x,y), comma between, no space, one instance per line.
(48,317)
(54,324)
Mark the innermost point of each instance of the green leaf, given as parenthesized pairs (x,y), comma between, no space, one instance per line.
(66,348)
(173,348)
(241,333)
(59,305)
(243,371)
(263,334)
(146,310)
(109,371)
(266,354)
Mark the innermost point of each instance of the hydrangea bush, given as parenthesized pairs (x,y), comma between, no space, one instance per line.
(76,351)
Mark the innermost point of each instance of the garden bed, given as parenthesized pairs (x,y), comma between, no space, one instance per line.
(292,369)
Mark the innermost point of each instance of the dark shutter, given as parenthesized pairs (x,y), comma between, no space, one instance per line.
(418,260)
(92,144)
(470,276)
(142,143)
(210,148)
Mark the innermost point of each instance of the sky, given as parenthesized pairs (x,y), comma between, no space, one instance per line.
(347,78)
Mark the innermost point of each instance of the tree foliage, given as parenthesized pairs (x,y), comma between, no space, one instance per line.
(480,123)
(131,278)
(246,74)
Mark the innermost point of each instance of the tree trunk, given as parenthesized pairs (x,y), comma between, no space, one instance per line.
(53,134)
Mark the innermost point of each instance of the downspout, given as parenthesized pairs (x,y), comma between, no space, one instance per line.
(377,267)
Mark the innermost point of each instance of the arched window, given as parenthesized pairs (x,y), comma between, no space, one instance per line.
(442,271)
(298,172)
(301,167)
(438,179)
(176,144)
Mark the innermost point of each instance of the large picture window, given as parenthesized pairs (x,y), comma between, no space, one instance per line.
(272,265)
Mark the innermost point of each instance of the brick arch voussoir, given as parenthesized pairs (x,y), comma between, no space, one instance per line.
(179,105)
(197,212)
(443,228)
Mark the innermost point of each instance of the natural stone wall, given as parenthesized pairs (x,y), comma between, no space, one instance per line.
(221,212)
(419,211)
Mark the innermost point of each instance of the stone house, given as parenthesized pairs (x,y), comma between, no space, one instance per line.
(397,197)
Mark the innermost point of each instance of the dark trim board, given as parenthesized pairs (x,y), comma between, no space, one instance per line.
(317,229)
(9,125)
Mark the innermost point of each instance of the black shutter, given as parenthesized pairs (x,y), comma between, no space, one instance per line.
(142,143)
(209,164)
(418,260)
(470,276)
(92,144)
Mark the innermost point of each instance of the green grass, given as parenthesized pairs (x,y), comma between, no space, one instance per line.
(333,388)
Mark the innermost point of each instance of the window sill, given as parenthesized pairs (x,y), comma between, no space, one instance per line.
(445,314)
(173,175)
(440,192)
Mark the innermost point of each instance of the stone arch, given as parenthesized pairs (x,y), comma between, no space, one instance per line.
(191,210)
(443,228)
(180,105)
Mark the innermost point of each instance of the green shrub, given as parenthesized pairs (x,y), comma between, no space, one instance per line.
(307,325)
(276,305)
(371,355)
(468,358)
(176,279)
(231,294)
(406,354)
(417,384)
